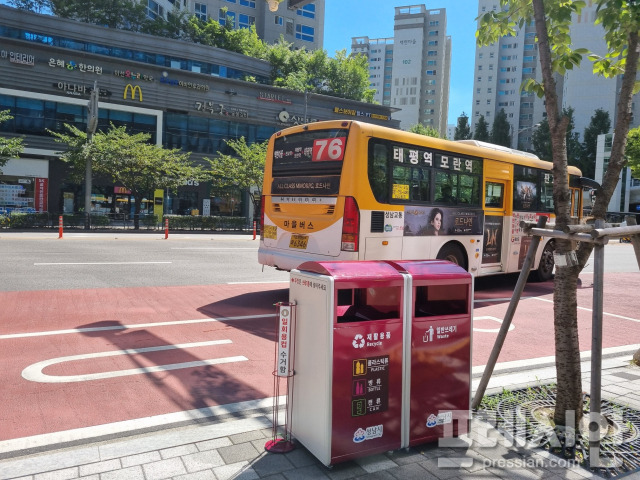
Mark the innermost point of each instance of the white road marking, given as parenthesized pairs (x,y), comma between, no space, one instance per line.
(99,263)
(591,310)
(491,330)
(214,248)
(34,373)
(132,326)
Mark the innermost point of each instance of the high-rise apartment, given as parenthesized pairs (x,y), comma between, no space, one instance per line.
(299,22)
(410,71)
(501,68)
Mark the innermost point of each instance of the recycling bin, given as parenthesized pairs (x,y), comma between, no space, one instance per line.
(349,349)
(437,388)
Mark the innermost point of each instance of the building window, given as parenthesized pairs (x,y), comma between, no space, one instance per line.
(305,32)
(279,20)
(248,3)
(308,11)
(200,11)
(432,63)
(434,23)
(154,10)
(225,15)
(245,21)
(431,72)
(433,43)
(433,33)
(289,27)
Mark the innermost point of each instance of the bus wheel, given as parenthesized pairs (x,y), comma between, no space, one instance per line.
(544,272)
(453,253)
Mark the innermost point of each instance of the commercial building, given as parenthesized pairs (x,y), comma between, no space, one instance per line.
(185,95)
(411,71)
(501,68)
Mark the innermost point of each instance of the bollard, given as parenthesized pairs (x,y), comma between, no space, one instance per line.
(166,228)
(60,226)
(254,229)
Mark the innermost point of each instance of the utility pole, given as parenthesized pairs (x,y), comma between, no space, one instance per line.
(92,124)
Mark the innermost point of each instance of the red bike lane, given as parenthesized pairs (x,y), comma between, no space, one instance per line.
(81,358)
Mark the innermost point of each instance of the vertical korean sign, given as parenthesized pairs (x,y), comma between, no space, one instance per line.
(285,332)
(40,195)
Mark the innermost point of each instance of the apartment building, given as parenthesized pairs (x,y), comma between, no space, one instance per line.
(411,70)
(300,22)
(501,68)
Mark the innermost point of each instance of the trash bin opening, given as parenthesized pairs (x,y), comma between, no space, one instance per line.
(366,304)
(432,300)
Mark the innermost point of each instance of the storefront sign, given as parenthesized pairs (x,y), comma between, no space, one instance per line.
(19,58)
(71,65)
(128,74)
(219,109)
(122,190)
(40,201)
(358,113)
(73,88)
(273,97)
(285,118)
(183,84)
(132,90)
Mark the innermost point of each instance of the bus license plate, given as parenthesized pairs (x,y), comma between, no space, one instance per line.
(270,232)
(298,241)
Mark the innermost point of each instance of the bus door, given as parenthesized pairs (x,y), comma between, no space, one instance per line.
(495,240)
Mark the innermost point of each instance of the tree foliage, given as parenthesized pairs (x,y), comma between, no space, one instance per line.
(424,130)
(600,123)
(463,130)
(541,140)
(9,147)
(37,6)
(501,130)
(481,132)
(244,170)
(620,20)
(121,14)
(632,151)
(129,160)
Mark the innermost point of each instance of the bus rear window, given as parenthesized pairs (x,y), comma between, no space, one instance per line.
(318,152)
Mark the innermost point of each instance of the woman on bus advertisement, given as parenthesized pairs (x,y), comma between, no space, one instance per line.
(426,221)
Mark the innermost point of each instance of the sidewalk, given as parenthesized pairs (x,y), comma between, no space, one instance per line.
(231,444)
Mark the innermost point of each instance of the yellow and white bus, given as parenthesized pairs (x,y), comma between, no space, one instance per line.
(346,190)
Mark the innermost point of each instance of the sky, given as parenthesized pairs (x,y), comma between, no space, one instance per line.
(374,18)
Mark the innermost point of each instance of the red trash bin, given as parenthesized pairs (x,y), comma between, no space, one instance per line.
(348,391)
(439,308)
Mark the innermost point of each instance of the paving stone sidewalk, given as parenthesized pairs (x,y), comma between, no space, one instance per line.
(234,449)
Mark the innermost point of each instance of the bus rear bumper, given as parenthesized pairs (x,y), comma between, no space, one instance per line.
(287,260)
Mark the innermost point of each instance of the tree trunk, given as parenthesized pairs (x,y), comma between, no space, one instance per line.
(568,409)
(136,214)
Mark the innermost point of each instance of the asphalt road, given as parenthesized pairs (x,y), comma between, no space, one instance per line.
(42,261)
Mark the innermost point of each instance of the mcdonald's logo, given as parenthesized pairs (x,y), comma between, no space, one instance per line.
(133,90)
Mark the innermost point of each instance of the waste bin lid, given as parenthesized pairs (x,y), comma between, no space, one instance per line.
(429,269)
(352,269)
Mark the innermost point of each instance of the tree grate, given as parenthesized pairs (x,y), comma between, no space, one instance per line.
(525,417)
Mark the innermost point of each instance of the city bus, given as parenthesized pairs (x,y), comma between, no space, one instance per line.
(349,190)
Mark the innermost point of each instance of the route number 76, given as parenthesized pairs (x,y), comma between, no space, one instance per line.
(328,149)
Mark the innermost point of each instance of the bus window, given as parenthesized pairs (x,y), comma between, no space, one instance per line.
(420,185)
(546,192)
(494,195)
(469,190)
(400,187)
(446,188)
(378,173)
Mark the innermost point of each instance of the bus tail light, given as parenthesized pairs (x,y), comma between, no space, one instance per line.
(262,217)
(350,225)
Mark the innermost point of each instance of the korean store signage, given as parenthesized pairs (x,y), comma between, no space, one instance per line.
(71,65)
(18,57)
(359,113)
(130,75)
(180,83)
(273,97)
